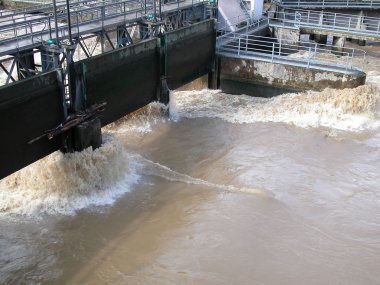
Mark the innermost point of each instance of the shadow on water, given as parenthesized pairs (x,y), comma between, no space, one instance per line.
(255,90)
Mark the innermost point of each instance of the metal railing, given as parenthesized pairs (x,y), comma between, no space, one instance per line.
(40,8)
(245,8)
(34,27)
(355,24)
(329,3)
(240,23)
(304,54)
(20,28)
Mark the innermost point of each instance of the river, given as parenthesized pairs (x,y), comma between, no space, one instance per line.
(215,189)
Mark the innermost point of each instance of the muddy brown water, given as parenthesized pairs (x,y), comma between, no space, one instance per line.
(227,190)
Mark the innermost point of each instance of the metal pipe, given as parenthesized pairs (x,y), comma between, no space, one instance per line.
(159,2)
(69,22)
(56,22)
(154,8)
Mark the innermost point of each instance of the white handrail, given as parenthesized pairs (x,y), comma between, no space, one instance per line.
(294,53)
(333,21)
(329,3)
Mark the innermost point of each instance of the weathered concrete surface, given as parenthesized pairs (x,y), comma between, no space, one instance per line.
(284,76)
(291,35)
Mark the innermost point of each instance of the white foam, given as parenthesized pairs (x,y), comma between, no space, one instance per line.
(140,121)
(156,169)
(347,109)
(64,183)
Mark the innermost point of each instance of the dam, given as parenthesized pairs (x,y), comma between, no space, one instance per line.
(126,158)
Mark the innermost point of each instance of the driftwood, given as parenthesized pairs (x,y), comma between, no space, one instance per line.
(72,121)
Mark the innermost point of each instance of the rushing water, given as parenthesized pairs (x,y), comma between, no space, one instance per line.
(225,190)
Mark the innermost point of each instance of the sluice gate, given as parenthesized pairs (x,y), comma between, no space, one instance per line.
(126,79)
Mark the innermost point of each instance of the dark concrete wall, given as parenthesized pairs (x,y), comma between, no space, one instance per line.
(27,109)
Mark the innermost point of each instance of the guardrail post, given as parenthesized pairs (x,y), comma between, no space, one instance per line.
(334,19)
(272,51)
(103,12)
(124,12)
(49,27)
(26,27)
(279,50)
(378,27)
(31,32)
(349,24)
(239,48)
(77,23)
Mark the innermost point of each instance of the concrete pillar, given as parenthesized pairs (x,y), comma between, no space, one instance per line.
(272,11)
(317,38)
(338,43)
(257,7)
(214,75)
(87,134)
(330,40)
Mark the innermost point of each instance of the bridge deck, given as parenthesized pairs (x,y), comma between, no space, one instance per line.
(29,40)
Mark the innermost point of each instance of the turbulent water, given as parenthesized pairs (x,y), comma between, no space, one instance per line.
(214,189)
